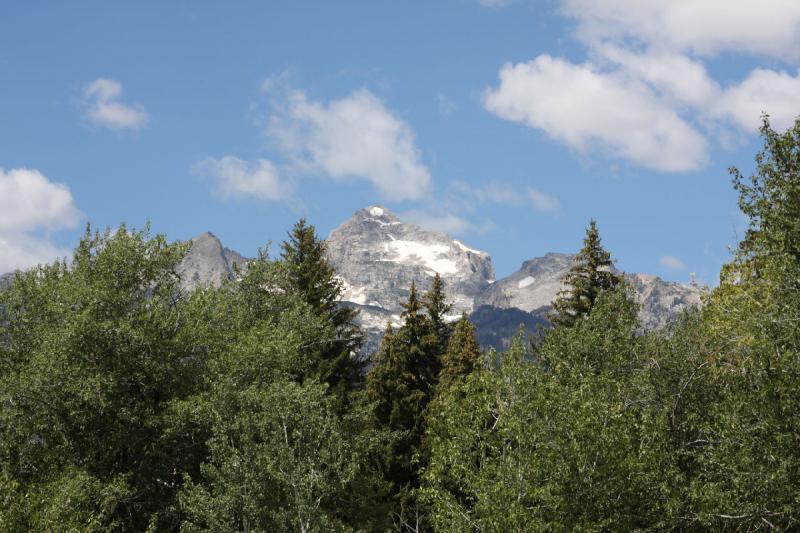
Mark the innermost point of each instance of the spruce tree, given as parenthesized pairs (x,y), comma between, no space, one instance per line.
(313,278)
(401,385)
(438,331)
(590,275)
(462,356)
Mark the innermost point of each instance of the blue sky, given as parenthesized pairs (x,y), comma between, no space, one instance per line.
(508,124)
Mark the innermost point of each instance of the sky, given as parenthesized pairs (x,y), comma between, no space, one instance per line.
(507,124)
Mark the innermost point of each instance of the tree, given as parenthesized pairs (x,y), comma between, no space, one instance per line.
(747,473)
(591,274)
(284,455)
(463,354)
(401,385)
(771,197)
(96,355)
(333,360)
(566,447)
(437,307)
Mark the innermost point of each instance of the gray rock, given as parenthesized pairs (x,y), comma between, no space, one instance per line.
(208,263)
(534,286)
(377,256)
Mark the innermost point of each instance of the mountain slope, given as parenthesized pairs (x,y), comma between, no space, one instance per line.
(534,286)
(208,262)
(377,256)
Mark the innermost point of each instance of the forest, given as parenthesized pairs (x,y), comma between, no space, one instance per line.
(127,404)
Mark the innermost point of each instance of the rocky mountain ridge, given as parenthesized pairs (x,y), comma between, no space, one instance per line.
(377,256)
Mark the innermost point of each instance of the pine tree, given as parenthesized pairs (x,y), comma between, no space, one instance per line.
(590,275)
(438,331)
(462,356)
(402,384)
(310,274)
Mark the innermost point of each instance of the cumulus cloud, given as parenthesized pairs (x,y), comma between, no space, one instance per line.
(672,263)
(237,178)
(462,193)
(31,206)
(764,90)
(645,94)
(102,99)
(585,108)
(704,27)
(675,76)
(356,138)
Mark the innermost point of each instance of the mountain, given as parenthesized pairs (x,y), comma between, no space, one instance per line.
(538,281)
(377,256)
(208,262)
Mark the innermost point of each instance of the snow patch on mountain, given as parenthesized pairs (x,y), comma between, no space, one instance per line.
(433,256)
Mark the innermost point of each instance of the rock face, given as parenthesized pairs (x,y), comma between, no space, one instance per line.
(531,288)
(534,286)
(208,262)
(377,257)
(661,300)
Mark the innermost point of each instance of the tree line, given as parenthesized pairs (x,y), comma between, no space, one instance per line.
(128,404)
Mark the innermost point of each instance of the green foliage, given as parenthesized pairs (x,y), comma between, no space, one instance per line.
(463,355)
(771,197)
(523,449)
(401,385)
(590,275)
(334,360)
(281,460)
(282,455)
(95,355)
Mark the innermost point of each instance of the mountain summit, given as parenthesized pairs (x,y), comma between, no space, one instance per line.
(376,256)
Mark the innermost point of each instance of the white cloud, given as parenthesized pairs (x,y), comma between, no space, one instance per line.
(354,138)
(645,94)
(30,206)
(672,263)
(676,76)
(543,202)
(777,93)
(705,27)
(104,107)
(588,109)
(236,178)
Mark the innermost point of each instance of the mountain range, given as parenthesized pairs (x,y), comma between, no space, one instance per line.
(377,256)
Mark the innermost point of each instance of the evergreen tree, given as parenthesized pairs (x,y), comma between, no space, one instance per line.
(462,356)
(401,384)
(437,307)
(311,276)
(590,275)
